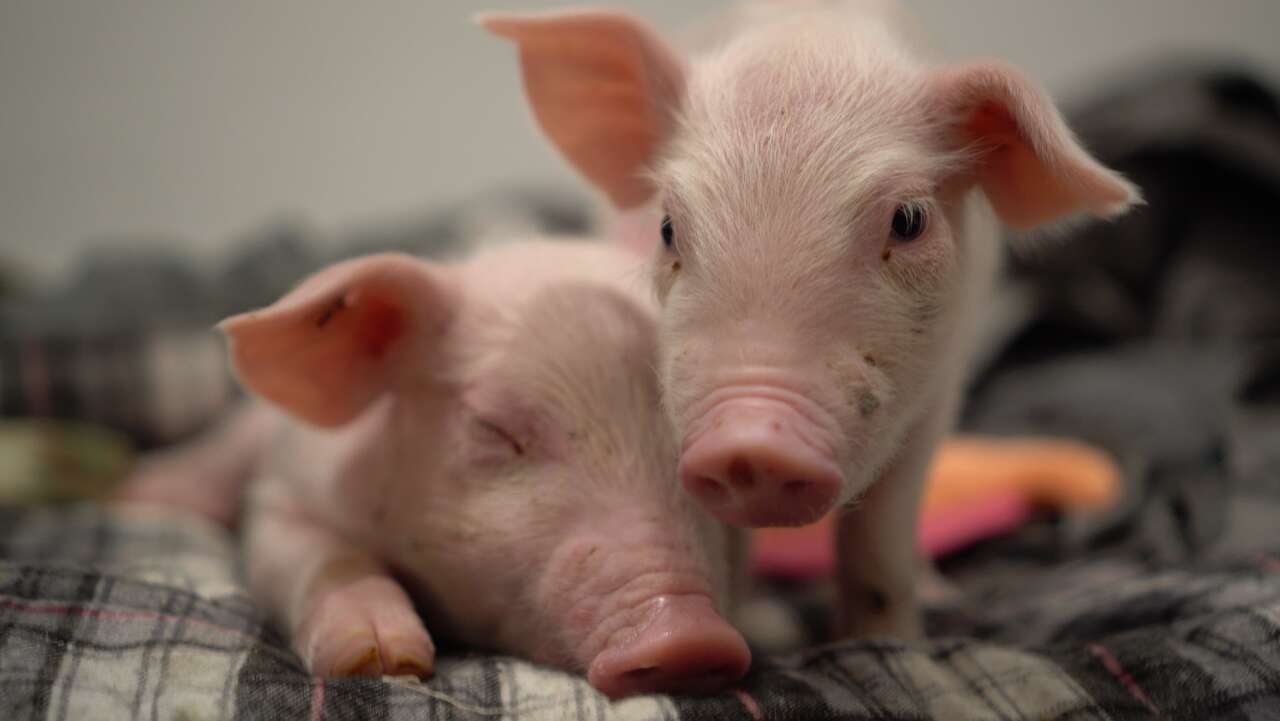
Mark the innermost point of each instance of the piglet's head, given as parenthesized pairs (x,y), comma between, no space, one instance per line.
(345,337)
(516,453)
(818,236)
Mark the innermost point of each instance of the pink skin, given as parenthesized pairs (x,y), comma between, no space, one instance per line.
(812,342)
(752,459)
(206,475)
(442,425)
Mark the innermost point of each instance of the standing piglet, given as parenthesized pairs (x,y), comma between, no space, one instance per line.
(827,206)
(490,434)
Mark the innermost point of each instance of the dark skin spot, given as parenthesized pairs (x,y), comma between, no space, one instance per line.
(868,403)
(338,305)
(871,361)
(927,311)
(675,266)
(887,253)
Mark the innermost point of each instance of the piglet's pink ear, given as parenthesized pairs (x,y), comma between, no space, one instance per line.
(1031,166)
(342,338)
(603,86)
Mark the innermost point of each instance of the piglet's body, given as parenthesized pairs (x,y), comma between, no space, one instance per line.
(489,433)
(824,205)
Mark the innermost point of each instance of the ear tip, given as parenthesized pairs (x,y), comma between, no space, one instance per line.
(229,326)
(517,26)
(1127,197)
(499,23)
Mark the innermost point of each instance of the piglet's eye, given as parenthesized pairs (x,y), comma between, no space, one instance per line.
(494,433)
(909,222)
(668,233)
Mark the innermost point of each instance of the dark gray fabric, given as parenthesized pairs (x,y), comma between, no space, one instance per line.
(1158,336)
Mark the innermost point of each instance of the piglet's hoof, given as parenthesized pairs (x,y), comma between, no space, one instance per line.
(365,628)
(362,655)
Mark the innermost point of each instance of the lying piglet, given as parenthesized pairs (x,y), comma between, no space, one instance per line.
(488,433)
(823,203)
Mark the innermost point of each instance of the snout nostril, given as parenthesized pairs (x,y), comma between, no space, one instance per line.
(795,488)
(641,674)
(741,475)
(710,488)
(714,673)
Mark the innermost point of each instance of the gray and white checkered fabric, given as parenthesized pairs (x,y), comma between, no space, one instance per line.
(129,614)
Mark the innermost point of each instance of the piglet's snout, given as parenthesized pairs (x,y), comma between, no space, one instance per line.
(682,646)
(759,462)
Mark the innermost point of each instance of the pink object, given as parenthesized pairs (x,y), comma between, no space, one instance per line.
(794,553)
(822,206)
(806,553)
(950,530)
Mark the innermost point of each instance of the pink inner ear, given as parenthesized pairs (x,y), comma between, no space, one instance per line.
(1031,167)
(338,342)
(1013,177)
(610,147)
(381,325)
(602,86)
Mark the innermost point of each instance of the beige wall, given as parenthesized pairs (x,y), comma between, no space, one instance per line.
(200,120)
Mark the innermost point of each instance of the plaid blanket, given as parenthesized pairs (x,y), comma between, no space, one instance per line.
(114,613)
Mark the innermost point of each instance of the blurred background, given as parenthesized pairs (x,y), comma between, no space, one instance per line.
(190,125)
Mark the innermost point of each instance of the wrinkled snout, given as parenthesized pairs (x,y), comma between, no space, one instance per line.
(682,646)
(758,461)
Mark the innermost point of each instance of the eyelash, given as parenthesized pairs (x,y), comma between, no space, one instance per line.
(913,217)
(498,431)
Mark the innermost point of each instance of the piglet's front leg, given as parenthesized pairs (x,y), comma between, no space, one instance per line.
(878,560)
(345,614)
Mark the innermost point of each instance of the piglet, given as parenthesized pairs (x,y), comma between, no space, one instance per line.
(482,441)
(824,206)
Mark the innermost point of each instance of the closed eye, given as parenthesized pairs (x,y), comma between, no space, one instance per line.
(498,433)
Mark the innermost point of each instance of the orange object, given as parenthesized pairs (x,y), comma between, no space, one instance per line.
(978,487)
(1059,473)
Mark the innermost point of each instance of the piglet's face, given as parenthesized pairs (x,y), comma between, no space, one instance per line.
(807,186)
(811,259)
(566,477)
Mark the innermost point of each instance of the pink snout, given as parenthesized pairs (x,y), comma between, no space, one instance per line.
(757,462)
(684,646)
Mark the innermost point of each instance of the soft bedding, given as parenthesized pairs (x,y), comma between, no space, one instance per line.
(113,613)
